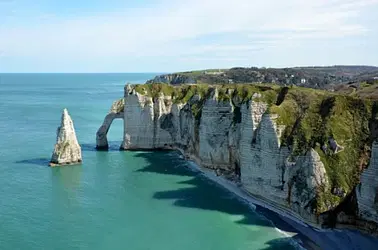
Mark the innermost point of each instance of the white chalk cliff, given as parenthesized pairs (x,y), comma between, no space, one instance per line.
(240,140)
(367,191)
(249,149)
(67,149)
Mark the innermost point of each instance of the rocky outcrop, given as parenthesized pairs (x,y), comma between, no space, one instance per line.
(67,149)
(116,112)
(302,182)
(336,148)
(367,191)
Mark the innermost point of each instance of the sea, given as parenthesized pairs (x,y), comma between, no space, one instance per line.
(115,199)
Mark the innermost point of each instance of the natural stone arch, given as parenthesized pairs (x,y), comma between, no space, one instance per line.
(116,112)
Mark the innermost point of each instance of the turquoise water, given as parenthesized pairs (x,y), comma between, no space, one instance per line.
(115,200)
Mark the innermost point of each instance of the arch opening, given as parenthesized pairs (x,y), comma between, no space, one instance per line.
(116,112)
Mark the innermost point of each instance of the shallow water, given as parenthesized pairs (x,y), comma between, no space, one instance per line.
(115,200)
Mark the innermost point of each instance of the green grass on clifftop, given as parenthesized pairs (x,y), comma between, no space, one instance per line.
(311,118)
(183,93)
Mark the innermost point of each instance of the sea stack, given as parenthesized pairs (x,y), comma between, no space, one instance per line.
(67,150)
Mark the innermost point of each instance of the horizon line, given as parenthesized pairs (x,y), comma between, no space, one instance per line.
(188,70)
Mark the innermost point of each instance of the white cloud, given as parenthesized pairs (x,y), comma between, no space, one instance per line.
(173,27)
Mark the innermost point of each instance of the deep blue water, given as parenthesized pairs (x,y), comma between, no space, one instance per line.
(114,200)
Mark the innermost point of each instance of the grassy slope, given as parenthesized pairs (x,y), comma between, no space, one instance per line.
(311,117)
(195,73)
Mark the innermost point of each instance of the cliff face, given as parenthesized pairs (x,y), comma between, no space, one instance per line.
(367,191)
(279,151)
(143,118)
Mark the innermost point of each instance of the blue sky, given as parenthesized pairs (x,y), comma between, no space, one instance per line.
(175,35)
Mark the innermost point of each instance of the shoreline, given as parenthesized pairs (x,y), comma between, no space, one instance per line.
(302,233)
